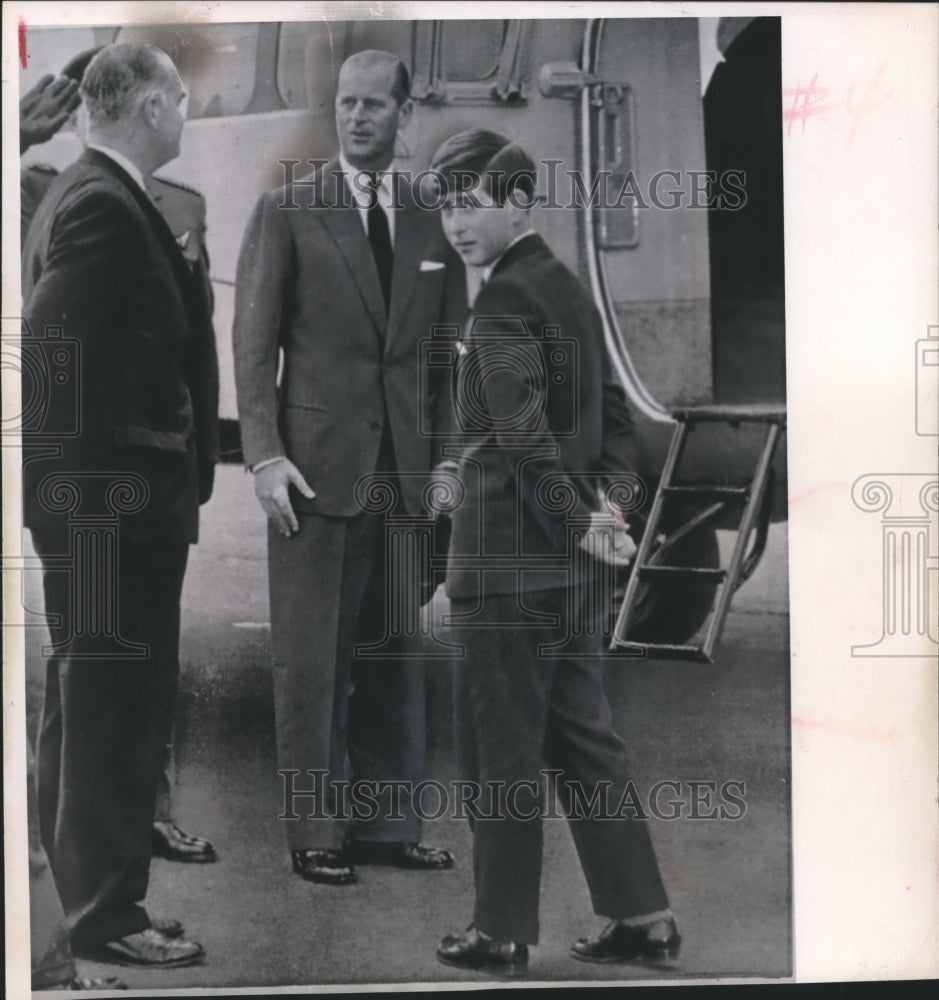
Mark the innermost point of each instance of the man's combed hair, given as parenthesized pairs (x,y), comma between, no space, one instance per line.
(478,156)
(117,77)
(401,85)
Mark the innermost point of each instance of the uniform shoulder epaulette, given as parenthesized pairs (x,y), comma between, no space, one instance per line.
(172,182)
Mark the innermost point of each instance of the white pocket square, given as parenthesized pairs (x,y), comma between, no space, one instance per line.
(432,265)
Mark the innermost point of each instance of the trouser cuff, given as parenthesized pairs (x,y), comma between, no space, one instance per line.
(519,932)
(646,918)
(91,934)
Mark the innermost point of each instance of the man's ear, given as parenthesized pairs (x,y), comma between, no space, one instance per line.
(405,112)
(153,109)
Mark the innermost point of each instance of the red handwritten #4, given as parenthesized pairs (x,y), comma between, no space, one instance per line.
(814,100)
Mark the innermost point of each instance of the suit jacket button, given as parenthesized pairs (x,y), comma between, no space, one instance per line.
(375,425)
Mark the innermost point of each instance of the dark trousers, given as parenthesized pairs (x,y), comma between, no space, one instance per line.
(105,725)
(50,953)
(518,711)
(354,719)
(163,811)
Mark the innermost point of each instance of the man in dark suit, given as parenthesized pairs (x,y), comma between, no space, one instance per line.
(543,420)
(183,209)
(43,111)
(345,275)
(126,448)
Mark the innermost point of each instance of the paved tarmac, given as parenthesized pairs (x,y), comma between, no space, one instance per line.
(728,879)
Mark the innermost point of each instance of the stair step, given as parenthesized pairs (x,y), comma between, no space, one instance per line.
(710,491)
(752,517)
(744,413)
(662,651)
(696,572)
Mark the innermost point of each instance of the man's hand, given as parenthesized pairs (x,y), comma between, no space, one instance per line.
(46,108)
(271,487)
(446,488)
(608,540)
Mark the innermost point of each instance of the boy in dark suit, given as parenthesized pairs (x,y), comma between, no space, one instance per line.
(542,419)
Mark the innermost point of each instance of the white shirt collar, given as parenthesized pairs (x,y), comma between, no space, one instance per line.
(489,268)
(361,199)
(384,184)
(122,162)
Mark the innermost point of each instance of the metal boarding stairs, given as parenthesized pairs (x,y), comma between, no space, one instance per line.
(756,498)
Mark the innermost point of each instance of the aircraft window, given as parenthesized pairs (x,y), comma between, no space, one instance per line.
(309,54)
(470,62)
(217,62)
(471,49)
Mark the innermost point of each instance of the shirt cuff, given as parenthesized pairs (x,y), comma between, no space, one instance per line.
(267,461)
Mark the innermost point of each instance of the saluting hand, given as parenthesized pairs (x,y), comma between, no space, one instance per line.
(46,108)
(271,486)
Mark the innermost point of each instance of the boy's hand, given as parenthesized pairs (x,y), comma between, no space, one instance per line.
(608,539)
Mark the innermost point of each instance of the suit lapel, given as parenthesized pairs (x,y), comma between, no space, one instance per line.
(341,219)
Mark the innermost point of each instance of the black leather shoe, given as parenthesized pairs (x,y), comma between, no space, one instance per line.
(617,942)
(471,950)
(171,843)
(328,867)
(399,854)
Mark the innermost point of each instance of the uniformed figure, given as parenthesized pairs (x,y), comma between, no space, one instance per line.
(183,208)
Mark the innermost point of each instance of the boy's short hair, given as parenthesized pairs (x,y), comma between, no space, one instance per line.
(477,156)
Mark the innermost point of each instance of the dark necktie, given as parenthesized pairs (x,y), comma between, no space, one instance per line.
(379,237)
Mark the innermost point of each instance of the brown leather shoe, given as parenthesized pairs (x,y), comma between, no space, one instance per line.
(618,942)
(146,948)
(173,844)
(326,866)
(504,959)
(399,854)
